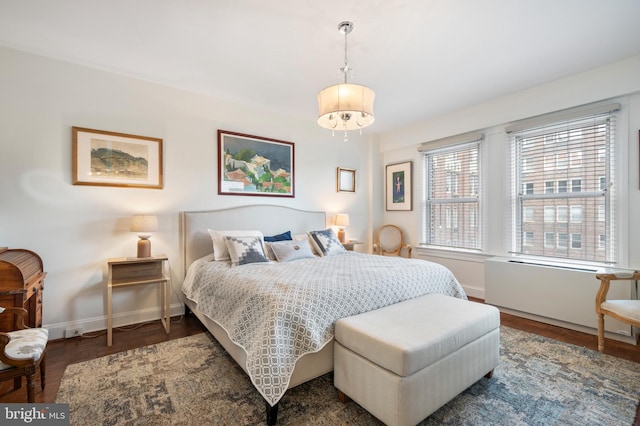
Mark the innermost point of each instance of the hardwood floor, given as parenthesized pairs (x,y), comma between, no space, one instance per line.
(62,352)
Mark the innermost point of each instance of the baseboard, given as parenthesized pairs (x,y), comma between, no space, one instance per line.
(56,331)
(475,292)
(576,327)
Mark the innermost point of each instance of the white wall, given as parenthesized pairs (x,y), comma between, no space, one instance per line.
(76,228)
(620,80)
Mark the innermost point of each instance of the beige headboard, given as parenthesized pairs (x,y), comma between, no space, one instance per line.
(269,219)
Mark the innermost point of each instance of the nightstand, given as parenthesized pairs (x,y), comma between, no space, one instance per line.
(350,244)
(128,271)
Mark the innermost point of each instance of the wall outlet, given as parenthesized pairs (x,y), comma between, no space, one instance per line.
(72,332)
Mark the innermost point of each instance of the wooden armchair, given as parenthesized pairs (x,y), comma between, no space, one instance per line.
(627,311)
(389,240)
(22,352)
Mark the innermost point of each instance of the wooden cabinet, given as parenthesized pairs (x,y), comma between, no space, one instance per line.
(21,285)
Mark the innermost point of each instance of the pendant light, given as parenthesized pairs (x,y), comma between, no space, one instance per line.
(345,106)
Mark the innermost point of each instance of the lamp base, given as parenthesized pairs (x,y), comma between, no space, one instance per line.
(144,247)
(341,235)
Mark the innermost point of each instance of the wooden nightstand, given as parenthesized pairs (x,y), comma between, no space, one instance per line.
(350,244)
(125,271)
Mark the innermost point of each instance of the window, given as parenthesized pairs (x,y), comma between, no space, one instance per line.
(473,185)
(576,241)
(549,214)
(576,214)
(576,185)
(549,187)
(452,197)
(528,188)
(549,239)
(528,238)
(562,240)
(563,214)
(562,160)
(473,217)
(575,159)
(529,214)
(573,183)
(562,186)
(603,183)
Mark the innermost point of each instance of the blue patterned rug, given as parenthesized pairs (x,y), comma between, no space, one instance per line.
(193,381)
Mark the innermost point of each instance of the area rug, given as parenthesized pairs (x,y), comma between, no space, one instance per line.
(192,381)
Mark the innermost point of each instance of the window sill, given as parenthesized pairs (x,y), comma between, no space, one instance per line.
(466,255)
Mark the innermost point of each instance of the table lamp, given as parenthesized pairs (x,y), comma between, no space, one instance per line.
(144,224)
(342,220)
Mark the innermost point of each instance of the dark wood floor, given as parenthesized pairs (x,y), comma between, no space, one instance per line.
(61,353)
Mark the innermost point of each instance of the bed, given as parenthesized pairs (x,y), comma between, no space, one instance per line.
(276,318)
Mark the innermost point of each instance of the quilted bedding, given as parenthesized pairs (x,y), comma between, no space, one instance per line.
(279,312)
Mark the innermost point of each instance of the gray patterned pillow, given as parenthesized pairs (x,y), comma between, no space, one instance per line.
(285,251)
(326,242)
(245,250)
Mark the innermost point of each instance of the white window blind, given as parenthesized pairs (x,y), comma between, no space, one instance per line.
(566,166)
(451,202)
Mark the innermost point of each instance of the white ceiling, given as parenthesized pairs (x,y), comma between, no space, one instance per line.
(422,57)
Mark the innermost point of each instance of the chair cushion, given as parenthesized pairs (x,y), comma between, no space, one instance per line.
(26,344)
(626,308)
(411,335)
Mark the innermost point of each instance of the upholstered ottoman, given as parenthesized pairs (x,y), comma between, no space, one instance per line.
(404,361)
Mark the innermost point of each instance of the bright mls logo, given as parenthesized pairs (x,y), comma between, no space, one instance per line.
(34,414)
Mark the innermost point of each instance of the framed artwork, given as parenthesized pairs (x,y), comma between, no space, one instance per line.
(398,183)
(102,158)
(346,180)
(253,165)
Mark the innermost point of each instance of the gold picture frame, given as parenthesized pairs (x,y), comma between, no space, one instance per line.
(345,180)
(103,158)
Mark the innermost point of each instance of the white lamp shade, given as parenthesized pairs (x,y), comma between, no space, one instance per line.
(342,220)
(346,107)
(144,223)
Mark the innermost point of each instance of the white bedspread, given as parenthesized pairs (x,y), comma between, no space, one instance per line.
(280,311)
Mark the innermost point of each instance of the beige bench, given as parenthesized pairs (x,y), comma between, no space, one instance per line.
(404,361)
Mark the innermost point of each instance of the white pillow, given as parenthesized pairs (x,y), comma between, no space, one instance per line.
(305,237)
(245,250)
(285,251)
(220,251)
(326,242)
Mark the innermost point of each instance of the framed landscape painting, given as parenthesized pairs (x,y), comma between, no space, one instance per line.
(102,158)
(254,165)
(398,184)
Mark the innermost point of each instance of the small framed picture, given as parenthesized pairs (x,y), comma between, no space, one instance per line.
(253,165)
(398,184)
(102,158)
(346,180)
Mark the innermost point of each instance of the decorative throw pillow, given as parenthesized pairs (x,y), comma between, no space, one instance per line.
(285,251)
(245,250)
(285,236)
(307,238)
(326,242)
(220,251)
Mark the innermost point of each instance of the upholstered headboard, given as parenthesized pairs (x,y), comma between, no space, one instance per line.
(269,219)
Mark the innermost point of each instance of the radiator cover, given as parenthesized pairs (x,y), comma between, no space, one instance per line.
(552,294)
